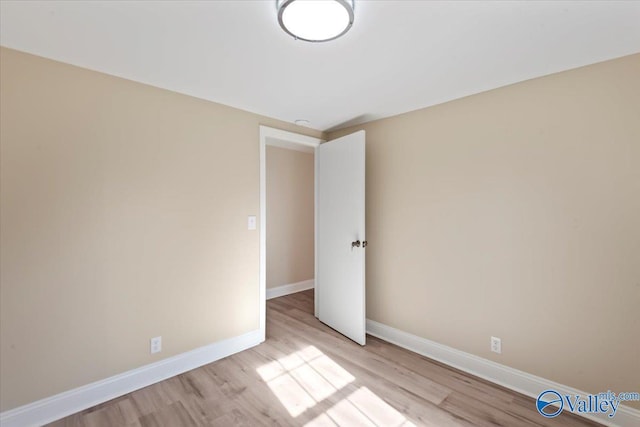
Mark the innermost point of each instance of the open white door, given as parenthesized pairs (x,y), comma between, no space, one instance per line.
(340,245)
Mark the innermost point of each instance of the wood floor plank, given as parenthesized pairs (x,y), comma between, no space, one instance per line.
(480,414)
(454,379)
(171,415)
(306,373)
(416,384)
(413,406)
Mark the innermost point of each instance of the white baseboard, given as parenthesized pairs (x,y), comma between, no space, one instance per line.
(292,288)
(72,401)
(505,376)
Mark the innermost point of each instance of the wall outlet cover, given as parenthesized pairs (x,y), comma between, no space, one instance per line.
(156,345)
(496,345)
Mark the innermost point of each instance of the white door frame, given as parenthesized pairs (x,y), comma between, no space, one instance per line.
(294,141)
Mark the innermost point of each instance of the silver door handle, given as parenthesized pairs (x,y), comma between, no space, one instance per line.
(355,244)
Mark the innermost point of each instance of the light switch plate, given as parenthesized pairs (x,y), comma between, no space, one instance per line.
(251,223)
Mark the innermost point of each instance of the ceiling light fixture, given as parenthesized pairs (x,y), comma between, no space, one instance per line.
(315,20)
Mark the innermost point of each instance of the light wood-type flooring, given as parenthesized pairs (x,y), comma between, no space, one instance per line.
(307,374)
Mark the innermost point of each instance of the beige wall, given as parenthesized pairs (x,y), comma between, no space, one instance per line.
(515,213)
(123,216)
(290,216)
(123,211)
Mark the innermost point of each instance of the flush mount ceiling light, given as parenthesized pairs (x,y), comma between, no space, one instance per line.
(315,20)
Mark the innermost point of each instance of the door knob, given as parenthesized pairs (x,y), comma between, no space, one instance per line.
(355,244)
(364,243)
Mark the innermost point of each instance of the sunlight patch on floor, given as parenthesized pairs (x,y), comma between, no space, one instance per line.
(361,408)
(304,378)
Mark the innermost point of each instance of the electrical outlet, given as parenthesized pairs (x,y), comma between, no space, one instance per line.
(156,345)
(496,345)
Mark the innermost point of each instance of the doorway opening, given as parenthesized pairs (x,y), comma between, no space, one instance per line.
(288,198)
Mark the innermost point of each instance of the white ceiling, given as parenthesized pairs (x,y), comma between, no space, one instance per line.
(399,56)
